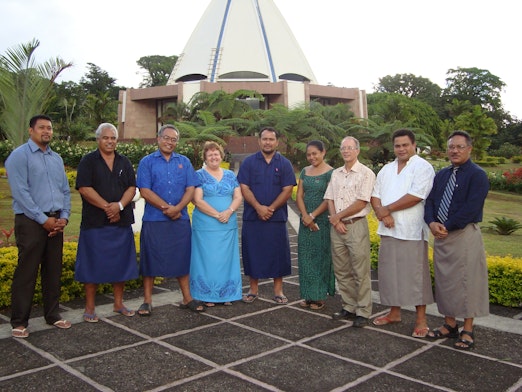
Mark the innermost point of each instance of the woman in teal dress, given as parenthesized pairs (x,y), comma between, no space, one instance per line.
(316,276)
(215,272)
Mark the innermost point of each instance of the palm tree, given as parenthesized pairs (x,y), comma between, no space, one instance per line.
(26,88)
(194,134)
(221,104)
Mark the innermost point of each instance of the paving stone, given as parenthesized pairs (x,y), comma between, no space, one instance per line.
(460,371)
(82,339)
(17,357)
(298,369)
(47,380)
(166,319)
(217,382)
(388,382)
(225,343)
(139,368)
(366,345)
(290,323)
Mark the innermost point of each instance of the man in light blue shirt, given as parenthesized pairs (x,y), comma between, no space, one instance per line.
(42,205)
(167,182)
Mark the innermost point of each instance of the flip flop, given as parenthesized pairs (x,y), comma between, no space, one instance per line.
(195,306)
(305,303)
(384,320)
(62,324)
(90,317)
(249,298)
(125,312)
(420,332)
(280,300)
(145,309)
(19,332)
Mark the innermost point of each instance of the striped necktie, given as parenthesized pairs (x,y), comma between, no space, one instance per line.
(442,214)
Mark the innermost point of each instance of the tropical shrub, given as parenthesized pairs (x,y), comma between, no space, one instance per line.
(505,226)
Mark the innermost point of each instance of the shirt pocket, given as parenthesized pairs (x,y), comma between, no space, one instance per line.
(258,177)
(278,177)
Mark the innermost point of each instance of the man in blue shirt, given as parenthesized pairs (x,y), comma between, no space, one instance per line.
(42,205)
(167,182)
(267,180)
(453,210)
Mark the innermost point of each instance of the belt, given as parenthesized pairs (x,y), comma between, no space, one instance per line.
(353,220)
(53,214)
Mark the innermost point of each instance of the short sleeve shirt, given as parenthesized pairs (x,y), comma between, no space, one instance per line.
(266,181)
(168,179)
(415,179)
(346,187)
(93,172)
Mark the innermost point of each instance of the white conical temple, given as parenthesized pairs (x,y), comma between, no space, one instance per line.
(242,40)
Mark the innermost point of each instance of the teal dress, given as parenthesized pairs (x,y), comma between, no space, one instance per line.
(215,271)
(316,275)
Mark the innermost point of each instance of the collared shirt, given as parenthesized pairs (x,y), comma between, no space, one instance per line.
(93,172)
(266,181)
(346,187)
(38,182)
(415,179)
(467,203)
(167,179)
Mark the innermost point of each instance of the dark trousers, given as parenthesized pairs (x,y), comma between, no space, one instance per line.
(35,249)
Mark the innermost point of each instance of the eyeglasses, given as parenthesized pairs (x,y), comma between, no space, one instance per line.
(348,148)
(458,147)
(170,139)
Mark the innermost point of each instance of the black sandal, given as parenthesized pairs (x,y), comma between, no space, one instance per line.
(195,306)
(465,344)
(453,332)
(145,309)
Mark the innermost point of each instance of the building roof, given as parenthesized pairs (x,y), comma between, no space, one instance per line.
(247,40)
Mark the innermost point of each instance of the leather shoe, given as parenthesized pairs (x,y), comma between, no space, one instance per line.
(343,314)
(360,322)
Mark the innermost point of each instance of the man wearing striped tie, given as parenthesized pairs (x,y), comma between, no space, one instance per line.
(453,210)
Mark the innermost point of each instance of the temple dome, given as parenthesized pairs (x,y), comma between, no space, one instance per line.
(242,40)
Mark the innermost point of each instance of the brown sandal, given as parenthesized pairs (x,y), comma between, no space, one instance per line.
(317,305)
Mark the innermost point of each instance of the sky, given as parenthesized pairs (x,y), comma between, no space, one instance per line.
(347,43)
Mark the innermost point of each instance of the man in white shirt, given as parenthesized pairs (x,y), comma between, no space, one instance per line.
(398,200)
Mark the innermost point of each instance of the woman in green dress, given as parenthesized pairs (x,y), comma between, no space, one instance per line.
(316,276)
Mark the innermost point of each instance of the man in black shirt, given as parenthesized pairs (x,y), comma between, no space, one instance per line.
(106,249)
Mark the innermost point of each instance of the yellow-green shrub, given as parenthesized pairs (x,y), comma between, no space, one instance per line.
(375,240)
(505,273)
(505,280)
(70,288)
(71,177)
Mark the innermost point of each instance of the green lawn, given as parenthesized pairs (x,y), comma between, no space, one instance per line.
(7,219)
(497,205)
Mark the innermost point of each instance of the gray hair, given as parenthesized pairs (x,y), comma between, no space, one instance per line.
(167,126)
(357,144)
(103,126)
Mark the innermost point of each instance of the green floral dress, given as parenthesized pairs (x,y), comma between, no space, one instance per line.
(316,275)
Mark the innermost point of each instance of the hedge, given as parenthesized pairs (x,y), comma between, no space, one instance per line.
(505,273)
